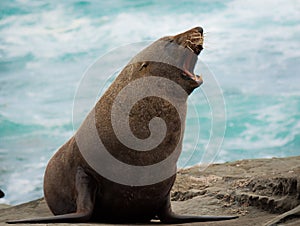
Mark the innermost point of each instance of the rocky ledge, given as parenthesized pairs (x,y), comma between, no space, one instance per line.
(260,191)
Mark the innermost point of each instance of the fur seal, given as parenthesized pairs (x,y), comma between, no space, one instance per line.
(77,189)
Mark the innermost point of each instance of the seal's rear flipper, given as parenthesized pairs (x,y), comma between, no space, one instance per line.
(85,203)
(168,217)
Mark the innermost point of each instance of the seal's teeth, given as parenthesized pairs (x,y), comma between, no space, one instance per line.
(190,48)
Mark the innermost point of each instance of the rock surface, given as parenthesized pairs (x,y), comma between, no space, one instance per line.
(259,191)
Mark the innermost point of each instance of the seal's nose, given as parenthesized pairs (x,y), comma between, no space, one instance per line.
(200,29)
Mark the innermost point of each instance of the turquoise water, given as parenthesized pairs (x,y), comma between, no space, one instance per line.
(45,47)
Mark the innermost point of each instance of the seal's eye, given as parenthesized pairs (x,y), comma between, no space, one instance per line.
(144,65)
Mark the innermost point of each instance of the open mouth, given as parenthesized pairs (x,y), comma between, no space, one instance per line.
(193,45)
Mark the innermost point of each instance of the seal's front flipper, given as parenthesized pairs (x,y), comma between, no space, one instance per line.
(66,218)
(85,203)
(168,217)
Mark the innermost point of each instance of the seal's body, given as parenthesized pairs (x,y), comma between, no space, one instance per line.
(74,189)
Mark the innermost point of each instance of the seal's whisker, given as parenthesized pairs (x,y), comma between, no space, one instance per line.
(189,41)
(209,47)
(206,33)
(196,36)
(197,40)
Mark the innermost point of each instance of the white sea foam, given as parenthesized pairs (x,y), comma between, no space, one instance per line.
(243,49)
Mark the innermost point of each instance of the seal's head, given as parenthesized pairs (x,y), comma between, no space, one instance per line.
(174,57)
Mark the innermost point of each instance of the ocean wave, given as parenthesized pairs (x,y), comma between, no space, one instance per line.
(10,128)
(264,124)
